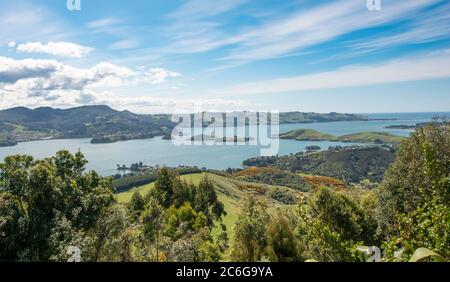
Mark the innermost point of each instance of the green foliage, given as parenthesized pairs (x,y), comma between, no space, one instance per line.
(184,219)
(153,220)
(250,238)
(137,204)
(422,254)
(37,195)
(330,226)
(414,206)
(205,200)
(281,246)
(273,176)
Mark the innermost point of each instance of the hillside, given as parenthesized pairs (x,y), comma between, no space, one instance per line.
(350,164)
(231,192)
(299,117)
(272,176)
(99,122)
(307,135)
(361,137)
(372,137)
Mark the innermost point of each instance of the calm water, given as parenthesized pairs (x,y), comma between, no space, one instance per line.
(104,157)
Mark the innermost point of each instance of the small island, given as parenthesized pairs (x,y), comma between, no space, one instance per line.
(362,137)
(307,135)
(235,139)
(313,148)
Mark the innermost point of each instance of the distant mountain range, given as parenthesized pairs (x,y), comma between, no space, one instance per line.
(105,125)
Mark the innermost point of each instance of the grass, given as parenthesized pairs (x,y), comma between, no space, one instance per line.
(361,137)
(372,137)
(228,193)
(307,135)
(125,197)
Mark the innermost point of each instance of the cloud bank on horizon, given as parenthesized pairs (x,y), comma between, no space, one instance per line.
(175,56)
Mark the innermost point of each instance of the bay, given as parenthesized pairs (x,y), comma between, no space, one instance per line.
(156,151)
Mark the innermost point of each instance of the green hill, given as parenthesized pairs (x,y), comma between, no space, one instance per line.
(100,122)
(350,164)
(307,135)
(230,192)
(372,137)
(361,137)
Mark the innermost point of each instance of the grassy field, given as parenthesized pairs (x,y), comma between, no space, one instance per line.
(362,137)
(126,196)
(372,137)
(229,191)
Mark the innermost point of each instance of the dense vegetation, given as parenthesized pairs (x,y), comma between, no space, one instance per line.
(48,205)
(350,164)
(144,176)
(273,176)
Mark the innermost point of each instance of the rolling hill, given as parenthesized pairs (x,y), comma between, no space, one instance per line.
(230,192)
(361,137)
(99,122)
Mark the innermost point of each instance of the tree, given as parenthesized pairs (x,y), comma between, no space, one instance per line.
(330,226)
(205,200)
(153,219)
(164,186)
(38,194)
(108,234)
(184,219)
(281,246)
(136,204)
(414,197)
(250,238)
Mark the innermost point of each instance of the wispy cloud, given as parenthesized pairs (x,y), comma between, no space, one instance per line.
(124,44)
(319,25)
(425,67)
(194,31)
(195,9)
(104,22)
(22,21)
(60,49)
(430,26)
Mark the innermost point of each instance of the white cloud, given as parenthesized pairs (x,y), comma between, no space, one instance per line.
(11,44)
(104,22)
(124,44)
(61,49)
(204,8)
(426,67)
(50,82)
(159,75)
(38,83)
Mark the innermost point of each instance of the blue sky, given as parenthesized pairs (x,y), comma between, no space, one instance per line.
(190,55)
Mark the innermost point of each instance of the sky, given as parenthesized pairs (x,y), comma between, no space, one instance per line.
(155,56)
